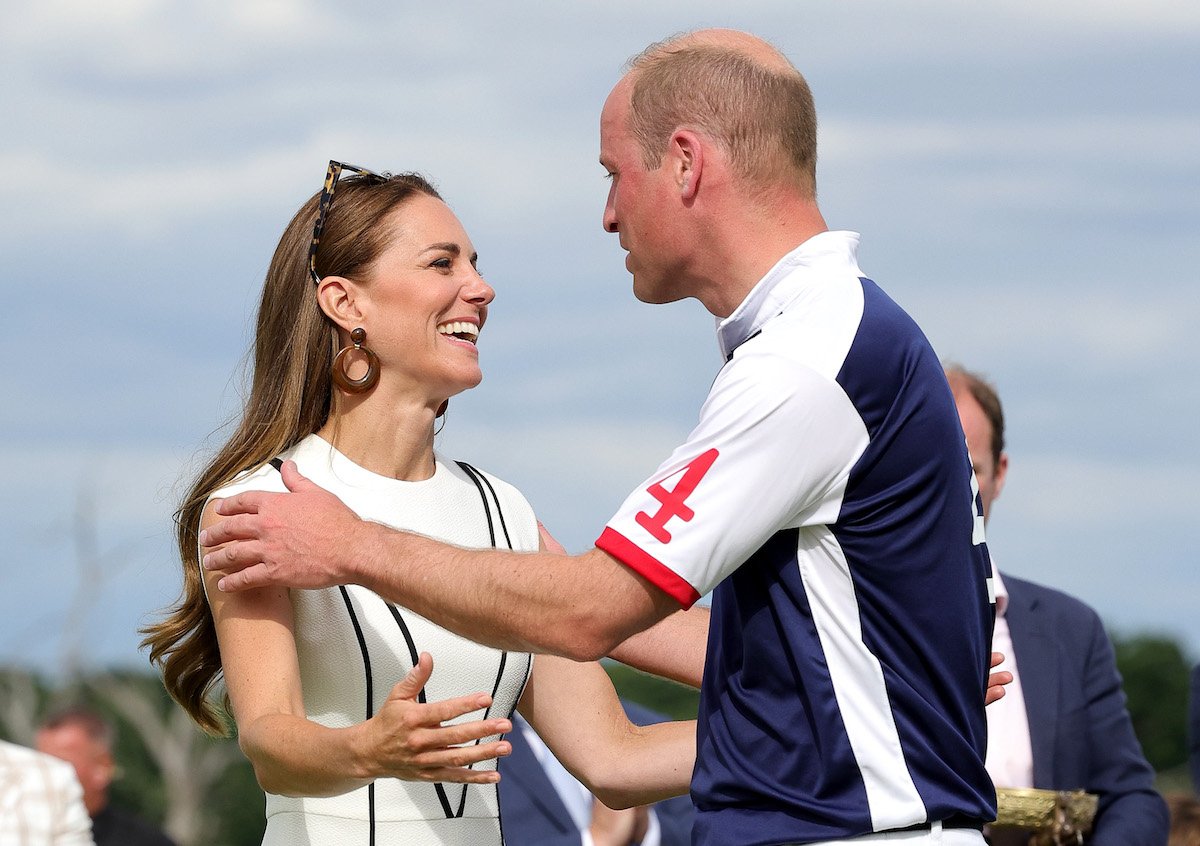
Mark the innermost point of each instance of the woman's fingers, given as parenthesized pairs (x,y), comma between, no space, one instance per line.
(455,735)
(451,764)
(459,775)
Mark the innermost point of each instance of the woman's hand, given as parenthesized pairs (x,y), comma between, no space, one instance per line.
(618,828)
(997,680)
(549,544)
(406,738)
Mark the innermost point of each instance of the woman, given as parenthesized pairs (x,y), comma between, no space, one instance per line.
(364,333)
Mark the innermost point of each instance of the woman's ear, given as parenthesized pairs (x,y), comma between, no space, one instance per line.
(338,298)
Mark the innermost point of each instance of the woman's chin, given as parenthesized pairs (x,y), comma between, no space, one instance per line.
(466,383)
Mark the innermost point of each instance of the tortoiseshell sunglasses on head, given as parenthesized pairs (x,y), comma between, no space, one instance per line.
(331,178)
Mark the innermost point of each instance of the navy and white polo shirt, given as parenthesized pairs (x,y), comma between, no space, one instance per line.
(827,496)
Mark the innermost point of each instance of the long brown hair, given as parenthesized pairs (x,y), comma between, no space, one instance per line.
(291,396)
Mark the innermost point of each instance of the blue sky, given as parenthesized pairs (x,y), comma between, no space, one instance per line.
(1026,177)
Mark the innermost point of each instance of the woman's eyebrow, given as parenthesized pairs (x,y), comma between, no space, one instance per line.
(445,246)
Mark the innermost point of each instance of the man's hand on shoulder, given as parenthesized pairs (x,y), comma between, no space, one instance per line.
(302,539)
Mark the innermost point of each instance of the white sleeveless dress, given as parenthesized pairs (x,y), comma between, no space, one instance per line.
(354,646)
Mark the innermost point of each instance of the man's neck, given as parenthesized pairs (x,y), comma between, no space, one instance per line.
(742,251)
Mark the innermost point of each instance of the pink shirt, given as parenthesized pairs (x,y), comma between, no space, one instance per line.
(1009,752)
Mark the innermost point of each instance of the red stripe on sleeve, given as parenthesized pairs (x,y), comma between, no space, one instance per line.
(646,565)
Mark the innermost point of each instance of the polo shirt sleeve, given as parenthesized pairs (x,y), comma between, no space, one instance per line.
(773,449)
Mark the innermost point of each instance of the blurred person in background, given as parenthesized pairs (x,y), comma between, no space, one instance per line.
(542,804)
(84,739)
(1194,729)
(1185,820)
(1062,724)
(41,802)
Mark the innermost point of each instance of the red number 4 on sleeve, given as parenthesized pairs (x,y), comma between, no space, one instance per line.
(673,501)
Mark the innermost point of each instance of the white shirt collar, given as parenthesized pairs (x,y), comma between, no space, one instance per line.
(831,250)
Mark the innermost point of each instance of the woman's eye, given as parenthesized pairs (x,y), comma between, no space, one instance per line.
(443,263)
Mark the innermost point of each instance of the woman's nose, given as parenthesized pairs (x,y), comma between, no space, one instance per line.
(478,291)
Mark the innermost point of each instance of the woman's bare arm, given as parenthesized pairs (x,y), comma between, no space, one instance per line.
(294,756)
(575,710)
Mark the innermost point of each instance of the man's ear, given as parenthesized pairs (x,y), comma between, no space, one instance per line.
(1001,473)
(685,155)
(338,298)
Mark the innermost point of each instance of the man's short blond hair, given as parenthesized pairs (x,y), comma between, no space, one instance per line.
(761,113)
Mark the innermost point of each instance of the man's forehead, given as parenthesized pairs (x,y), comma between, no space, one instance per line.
(613,117)
(616,103)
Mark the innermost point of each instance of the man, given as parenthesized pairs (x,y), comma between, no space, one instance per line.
(541,804)
(41,803)
(1194,729)
(825,494)
(84,739)
(1062,724)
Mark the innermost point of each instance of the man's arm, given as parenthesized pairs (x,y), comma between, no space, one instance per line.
(1194,710)
(581,607)
(674,648)
(1131,812)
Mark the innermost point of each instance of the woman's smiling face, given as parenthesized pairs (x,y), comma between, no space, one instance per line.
(424,303)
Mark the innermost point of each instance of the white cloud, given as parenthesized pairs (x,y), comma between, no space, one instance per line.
(133,489)
(1129,330)
(1098,16)
(1081,164)
(152,38)
(1123,138)
(1091,494)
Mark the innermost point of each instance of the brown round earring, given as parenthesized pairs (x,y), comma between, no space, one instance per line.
(365,382)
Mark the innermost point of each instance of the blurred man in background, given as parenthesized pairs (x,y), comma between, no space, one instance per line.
(1194,730)
(1062,724)
(541,804)
(84,739)
(41,803)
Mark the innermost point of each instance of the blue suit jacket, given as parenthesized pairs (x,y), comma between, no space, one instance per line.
(1194,729)
(1081,733)
(531,814)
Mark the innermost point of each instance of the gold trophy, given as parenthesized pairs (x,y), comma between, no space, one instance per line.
(1030,817)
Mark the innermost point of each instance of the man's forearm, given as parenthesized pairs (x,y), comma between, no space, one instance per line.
(580,607)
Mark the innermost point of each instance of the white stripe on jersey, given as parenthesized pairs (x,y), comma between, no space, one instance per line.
(857,681)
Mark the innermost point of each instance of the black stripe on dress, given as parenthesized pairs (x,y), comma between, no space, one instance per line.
(499,511)
(412,654)
(362,646)
(487,509)
(477,476)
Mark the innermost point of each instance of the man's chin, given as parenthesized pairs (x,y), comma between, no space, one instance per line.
(654,294)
